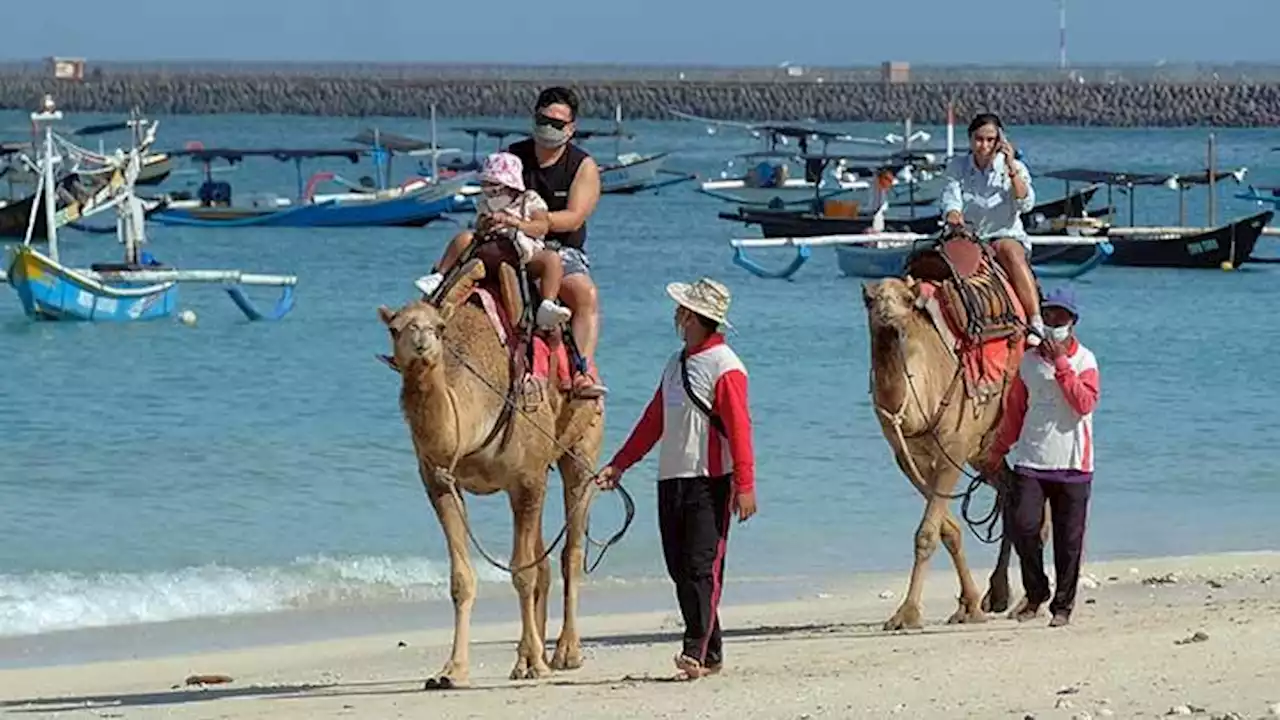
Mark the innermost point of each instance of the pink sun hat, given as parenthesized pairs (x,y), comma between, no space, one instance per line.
(504,169)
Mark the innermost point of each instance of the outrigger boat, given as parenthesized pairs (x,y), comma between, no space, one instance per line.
(1224,246)
(414,203)
(884,254)
(137,289)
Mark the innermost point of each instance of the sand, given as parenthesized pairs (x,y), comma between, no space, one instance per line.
(1189,636)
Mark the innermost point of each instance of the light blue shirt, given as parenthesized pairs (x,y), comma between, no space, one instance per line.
(985,197)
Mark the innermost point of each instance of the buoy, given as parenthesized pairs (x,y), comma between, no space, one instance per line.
(1226,265)
(187,317)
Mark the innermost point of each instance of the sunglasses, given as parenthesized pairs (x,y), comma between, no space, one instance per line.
(557,123)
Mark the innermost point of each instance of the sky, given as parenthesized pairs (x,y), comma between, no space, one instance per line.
(717,32)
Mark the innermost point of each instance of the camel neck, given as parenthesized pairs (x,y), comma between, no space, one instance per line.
(431,414)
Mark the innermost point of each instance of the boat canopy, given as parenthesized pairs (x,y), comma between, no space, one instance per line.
(1108,177)
(282,154)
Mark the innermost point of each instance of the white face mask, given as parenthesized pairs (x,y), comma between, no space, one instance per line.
(497,201)
(1059,333)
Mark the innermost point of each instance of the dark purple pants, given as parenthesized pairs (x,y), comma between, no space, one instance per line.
(1068,511)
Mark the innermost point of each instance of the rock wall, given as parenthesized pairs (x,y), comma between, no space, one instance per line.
(1056,103)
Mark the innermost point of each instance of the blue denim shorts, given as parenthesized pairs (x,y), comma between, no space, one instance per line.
(574,260)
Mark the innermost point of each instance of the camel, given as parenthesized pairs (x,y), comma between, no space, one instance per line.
(934,427)
(455,372)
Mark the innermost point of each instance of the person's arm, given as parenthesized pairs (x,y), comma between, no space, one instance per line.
(584,193)
(643,436)
(1024,194)
(1015,412)
(951,200)
(1080,389)
(730,404)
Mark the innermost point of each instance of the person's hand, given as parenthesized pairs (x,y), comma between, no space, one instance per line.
(1006,148)
(1051,350)
(744,504)
(505,220)
(607,478)
(955,218)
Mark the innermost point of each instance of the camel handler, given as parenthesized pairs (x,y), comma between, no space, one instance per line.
(706,467)
(1048,423)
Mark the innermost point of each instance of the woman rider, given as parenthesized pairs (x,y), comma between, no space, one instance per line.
(990,189)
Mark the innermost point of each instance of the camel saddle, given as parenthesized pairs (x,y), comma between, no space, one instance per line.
(973,294)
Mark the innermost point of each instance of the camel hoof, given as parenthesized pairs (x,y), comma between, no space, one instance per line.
(530,671)
(566,660)
(967,617)
(907,618)
(444,682)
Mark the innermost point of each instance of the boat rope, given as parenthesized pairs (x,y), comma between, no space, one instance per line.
(452,483)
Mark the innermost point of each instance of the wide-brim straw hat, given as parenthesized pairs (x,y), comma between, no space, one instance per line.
(706,297)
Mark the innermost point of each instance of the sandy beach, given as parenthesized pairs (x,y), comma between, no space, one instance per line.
(1182,636)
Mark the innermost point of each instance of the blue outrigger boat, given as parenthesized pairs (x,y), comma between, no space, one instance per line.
(137,289)
(413,204)
(878,255)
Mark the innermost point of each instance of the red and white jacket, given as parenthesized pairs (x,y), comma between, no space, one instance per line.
(691,446)
(1048,413)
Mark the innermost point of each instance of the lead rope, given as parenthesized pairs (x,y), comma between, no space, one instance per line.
(452,484)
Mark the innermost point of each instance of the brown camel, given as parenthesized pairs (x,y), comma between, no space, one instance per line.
(455,373)
(934,426)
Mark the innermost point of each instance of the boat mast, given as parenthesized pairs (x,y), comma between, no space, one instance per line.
(44,118)
(435,150)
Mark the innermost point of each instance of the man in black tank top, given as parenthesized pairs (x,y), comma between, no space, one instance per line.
(568,179)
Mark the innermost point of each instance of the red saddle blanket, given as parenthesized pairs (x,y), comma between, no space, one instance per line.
(985,357)
(513,339)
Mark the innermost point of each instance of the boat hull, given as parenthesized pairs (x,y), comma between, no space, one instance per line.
(783,223)
(632,177)
(1230,244)
(867,261)
(409,210)
(50,291)
(794,191)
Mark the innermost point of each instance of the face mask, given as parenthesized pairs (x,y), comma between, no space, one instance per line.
(1059,333)
(549,137)
(497,202)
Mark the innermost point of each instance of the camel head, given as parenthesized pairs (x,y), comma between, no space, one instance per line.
(417,329)
(889,301)
(417,333)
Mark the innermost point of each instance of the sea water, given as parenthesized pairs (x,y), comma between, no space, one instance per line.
(157,471)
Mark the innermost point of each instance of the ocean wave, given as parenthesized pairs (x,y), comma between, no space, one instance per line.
(49,601)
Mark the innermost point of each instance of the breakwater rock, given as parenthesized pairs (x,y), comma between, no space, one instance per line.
(1045,103)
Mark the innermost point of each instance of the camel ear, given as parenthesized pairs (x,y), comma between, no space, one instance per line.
(472,273)
(386,314)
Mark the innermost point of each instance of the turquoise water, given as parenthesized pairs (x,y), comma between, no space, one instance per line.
(158,471)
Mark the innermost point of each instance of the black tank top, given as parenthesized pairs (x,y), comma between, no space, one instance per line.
(552,183)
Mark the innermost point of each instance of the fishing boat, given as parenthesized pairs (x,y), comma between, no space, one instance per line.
(1211,247)
(138,288)
(805,223)
(413,203)
(884,254)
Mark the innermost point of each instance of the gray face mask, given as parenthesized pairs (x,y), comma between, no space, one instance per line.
(549,137)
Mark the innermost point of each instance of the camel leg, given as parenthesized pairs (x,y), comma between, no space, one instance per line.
(928,535)
(568,654)
(526,506)
(462,582)
(997,598)
(970,610)
(542,589)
